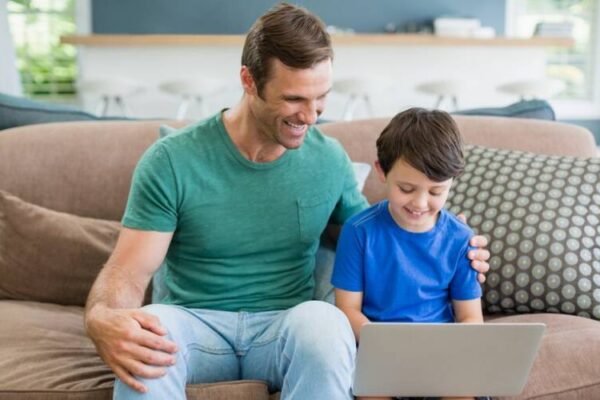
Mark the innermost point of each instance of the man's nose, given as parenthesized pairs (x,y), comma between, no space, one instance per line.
(310,114)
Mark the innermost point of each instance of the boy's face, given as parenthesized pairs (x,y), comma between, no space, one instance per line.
(414,199)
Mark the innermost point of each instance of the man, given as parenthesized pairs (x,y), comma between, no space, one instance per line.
(235,205)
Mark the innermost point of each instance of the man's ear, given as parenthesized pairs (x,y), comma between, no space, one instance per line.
(247,79)
(380,172)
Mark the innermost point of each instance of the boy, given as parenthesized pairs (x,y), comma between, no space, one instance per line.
(405,259)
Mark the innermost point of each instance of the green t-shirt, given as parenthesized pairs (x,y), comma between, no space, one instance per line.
(245,233)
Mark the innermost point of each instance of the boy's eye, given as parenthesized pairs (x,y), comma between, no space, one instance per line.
(435,193)
(405,190)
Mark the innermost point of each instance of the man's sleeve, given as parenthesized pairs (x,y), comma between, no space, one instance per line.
(152,199)
(348,267)
(351,200)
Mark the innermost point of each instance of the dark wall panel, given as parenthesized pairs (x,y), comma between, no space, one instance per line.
(236,16)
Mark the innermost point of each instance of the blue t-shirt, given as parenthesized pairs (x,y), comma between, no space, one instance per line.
(405,276)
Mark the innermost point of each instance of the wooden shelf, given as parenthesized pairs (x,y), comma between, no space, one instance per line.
(338,40)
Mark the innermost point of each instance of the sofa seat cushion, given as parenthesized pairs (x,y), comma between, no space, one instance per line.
(567,366)
(44,354)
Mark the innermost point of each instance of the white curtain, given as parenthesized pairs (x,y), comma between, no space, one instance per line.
(9,76)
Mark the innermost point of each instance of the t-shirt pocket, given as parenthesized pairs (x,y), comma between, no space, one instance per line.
(313,215)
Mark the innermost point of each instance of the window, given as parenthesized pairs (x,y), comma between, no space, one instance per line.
(577,66)
(47,68)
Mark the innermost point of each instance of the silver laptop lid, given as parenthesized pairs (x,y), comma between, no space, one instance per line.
(412,359)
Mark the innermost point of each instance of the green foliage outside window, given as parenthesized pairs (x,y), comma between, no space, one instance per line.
(47,67)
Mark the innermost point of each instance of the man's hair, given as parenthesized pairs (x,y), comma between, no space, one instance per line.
(288,33)
(427,140)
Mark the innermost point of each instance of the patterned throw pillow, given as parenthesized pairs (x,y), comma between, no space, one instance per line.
(541,215)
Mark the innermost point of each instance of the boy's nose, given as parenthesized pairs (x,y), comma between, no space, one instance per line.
(420,202)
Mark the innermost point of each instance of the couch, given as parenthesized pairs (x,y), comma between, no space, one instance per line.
(63,188)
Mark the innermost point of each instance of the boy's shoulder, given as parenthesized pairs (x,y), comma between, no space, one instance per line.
(455,226)
(368,216)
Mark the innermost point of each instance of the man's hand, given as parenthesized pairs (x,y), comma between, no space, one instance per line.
(131,343)
(480,255)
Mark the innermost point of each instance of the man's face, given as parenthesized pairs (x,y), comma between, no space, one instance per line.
(414,199)
(291,101)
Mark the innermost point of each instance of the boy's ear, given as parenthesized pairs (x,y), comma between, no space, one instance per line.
(380,173)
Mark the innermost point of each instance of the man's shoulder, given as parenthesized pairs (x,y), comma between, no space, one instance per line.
(196,138)
(320,141)
(202,130)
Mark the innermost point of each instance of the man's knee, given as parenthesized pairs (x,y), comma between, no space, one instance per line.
(171,318)
(321,327)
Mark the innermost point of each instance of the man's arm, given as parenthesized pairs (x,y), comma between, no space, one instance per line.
(351,304)
(129,340)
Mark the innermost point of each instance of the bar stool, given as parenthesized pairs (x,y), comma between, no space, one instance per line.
(192,91)
(357,91)
(533,88)
(110,90)
(442,89)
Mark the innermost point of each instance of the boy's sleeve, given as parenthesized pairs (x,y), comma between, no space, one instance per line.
(349,261)
(152,199)
(464,284)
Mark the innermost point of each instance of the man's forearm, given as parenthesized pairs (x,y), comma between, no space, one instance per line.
(115,287)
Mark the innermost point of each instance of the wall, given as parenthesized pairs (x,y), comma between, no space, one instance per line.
(236,16)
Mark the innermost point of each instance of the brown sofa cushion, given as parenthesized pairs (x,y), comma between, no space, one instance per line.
(566,367)
(46,356)
(50,256)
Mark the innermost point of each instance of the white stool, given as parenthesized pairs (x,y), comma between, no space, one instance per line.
(358,90)
(442,89)
(192,91)
(533,88)
(110,90)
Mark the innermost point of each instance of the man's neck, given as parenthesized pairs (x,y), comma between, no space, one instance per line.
(244,132)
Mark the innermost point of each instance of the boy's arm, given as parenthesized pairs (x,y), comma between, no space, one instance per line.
(351,304)
(468,311)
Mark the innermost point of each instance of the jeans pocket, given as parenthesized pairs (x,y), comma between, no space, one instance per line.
(313,215)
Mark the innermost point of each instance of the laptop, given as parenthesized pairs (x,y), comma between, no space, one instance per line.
(436,359)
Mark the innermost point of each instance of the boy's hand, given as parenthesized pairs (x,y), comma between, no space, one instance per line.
(480,255)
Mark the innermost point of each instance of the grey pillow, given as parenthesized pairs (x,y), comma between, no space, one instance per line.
(541,215)
(537,109)
(19,111)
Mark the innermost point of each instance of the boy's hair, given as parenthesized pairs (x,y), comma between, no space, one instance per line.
(289,33)
(427,140)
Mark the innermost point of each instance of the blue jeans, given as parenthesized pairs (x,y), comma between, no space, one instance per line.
(306,352)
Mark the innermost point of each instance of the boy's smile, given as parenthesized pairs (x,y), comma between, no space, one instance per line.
(414,199)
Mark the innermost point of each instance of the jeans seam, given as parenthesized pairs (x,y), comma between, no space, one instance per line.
(210,350)
(264,342)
